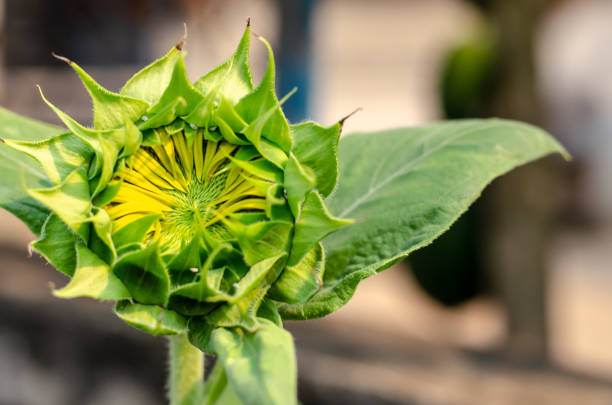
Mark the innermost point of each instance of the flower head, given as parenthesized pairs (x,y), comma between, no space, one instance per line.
(187,202)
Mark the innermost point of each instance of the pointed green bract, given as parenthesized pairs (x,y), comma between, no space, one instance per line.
(70,200)
(316,147)
(133,232)
(262,240)
(179,93)
(101,241)
(111,110)
(300,282)
(232,79)
(262,99)
(93,278)
(268,309)
(144,275)
(57,244)
(242,313)
(298,182)
(315,223)
(59,156)
(151,82)
(151,318)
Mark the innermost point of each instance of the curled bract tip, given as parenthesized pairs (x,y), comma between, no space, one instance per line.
(181,43)
(346,117)
(62,58)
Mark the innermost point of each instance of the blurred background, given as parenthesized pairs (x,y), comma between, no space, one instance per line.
(512,306)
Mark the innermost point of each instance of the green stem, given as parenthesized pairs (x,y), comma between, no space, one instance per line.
(186,379)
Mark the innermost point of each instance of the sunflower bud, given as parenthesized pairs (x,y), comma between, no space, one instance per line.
(188,201)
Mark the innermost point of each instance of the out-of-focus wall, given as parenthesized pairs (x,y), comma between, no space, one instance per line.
(384,57)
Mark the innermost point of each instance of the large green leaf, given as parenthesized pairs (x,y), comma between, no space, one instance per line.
(407,186)
(260,366)
(18,128)
(16,166)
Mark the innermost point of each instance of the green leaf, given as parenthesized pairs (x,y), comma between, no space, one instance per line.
(151,318)
(111,110)
(260,366)
(17,128)
(57,244)
(316,147)
(232,79)
(93,278)
(144,274)
(16,166)
(406,187)
(315,222)
(150,83)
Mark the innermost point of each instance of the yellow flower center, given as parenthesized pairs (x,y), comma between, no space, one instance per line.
(193,187)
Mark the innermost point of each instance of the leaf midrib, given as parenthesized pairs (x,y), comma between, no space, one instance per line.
(408,166)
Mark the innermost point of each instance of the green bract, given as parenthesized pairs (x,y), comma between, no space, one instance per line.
(201,211)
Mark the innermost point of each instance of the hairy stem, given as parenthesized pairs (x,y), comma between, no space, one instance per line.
(186,378)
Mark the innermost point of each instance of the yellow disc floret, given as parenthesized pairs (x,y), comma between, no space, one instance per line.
(191,184)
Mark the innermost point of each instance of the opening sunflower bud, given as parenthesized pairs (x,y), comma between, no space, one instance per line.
(190,203)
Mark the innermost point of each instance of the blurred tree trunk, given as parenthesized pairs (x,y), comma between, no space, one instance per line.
(523,206)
